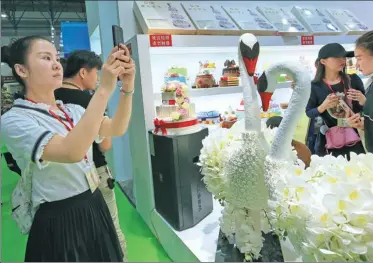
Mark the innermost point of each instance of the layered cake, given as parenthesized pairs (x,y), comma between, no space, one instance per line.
(205,78)
(208,117)
(176,115)
(230,75)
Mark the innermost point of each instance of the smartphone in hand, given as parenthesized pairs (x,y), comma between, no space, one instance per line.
(345,106)
(117,35)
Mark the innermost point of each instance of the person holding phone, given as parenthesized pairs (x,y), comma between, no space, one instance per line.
(81,72)
(56,200)
(364,56)
(331,85)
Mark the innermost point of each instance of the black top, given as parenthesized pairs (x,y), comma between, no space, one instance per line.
(368,119)
(82,98)
(319,92)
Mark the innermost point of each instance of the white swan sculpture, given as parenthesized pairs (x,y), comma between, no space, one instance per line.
(251,167)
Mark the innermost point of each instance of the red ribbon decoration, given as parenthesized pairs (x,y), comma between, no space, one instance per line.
(162,125)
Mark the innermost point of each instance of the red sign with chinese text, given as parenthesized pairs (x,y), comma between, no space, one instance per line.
(307,40)
(160,40)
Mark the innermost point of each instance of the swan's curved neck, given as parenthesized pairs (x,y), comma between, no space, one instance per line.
(284,135)
(251,105)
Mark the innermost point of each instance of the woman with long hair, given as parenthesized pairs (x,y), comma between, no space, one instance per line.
(56,200)
(364,56)
(329,100)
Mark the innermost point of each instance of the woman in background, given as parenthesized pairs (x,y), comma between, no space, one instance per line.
(330,85)
(364,56)
(51,143)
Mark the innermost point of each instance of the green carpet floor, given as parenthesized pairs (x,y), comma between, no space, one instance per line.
(142,244)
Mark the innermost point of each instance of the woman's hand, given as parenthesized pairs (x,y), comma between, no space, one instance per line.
(356,95)
(331,101)
(111,69)
(355,121)
(127,76)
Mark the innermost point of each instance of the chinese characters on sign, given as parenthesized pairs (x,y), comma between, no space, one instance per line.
(307,40)
(160,40)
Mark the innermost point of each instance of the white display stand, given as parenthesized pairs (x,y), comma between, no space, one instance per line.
(249,19)
(348,21)
(210,19)
(198,243)
(316,20)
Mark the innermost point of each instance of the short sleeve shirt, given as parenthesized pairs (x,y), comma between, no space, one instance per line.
(26,129)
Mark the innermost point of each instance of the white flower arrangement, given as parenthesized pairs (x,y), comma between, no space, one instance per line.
(327,209)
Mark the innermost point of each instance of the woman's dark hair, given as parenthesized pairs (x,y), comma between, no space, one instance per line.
(320,75)
(81,59)
(366,41)
(317,62)
(17,53)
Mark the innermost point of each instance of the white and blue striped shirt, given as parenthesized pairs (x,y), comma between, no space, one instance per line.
(26,129)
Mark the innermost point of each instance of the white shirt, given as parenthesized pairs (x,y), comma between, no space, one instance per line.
(26,129)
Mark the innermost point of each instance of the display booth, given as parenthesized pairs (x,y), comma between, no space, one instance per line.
(195,43)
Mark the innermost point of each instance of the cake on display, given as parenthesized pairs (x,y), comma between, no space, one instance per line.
(228,118)
(176,115)
(205,78)
(230,75)
(208,117)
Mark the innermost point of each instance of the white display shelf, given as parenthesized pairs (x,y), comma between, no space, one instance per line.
(206,44)
(195,93)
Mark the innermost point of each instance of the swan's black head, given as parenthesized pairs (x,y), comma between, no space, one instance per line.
(249,48)
(262,83)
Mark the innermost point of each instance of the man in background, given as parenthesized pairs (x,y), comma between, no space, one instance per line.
(81,71)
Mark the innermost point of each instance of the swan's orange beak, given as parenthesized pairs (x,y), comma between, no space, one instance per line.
(250,65)
(250,56)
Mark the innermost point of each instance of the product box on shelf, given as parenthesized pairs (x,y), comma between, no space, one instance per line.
(210,19)
(348,21)
(283,20)
(316,20)
(249,20)
(157,17)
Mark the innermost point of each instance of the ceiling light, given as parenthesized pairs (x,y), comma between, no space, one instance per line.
(4,15)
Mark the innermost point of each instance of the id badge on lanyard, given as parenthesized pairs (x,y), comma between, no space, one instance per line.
(91,176)
(90,169)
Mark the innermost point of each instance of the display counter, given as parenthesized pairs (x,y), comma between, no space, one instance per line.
(199,242)
(153,60)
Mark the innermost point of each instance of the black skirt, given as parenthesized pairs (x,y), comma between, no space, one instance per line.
(75,229)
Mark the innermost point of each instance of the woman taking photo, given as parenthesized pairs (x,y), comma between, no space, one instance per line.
(56,200)
(329,90)
(364,56)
